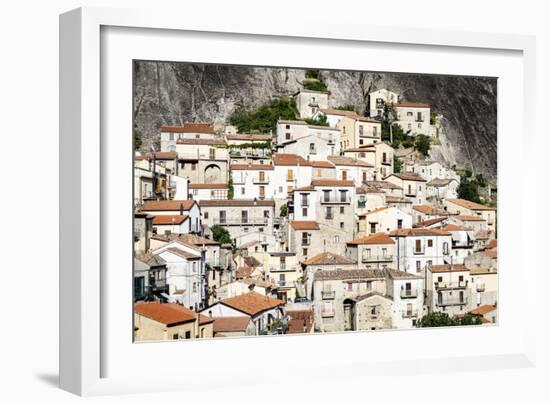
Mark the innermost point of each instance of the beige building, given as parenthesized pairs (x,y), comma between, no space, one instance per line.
(208,191)
(357,131)
(376,251)
(466,207)
(413,185)
(378,100)
(373,311)
(378,154)
(304,238)
(156,321)
(414,117)
(203,160)
(325,261)
(169,135)
(309,102)
(448,289)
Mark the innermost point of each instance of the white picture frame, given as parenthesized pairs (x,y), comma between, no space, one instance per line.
(86,339)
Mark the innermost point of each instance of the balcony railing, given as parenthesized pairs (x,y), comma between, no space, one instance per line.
(259,179)
(410,314)
(377,258)
(412,193)
(306,242)
(328,294)
(412,293)
(419,251)
(450,301)
(213,262)
(237,222)
(286,284)
(336,200)
(442,285)
(282,267)
(249,153)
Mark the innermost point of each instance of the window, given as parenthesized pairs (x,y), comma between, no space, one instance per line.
(418,246)
(287,136)
(175,336)
(360,130)
(373,310)
(361,142)
(418,266)
(384,157)
(188,334)
(430,243)
(420,125)
(461,297)
(243,190)
(266,213)
(350,286)
(328,213)
(261,229)
(290,175)
(304,211)
(287,127)
(262,192)
(419,117)
(244,216)
(445,248)
(343,196)
(342,210)
(384,251)
(312,148)
(341,225)
(212,153)
(326,195)
(222,217)
(304,252)
(375,131)
(399,223)
(305,238)
(409,126)
(372,227)
(344,175)
(171,136)
(194,287)
(193,166)
(262,176)
(364,176)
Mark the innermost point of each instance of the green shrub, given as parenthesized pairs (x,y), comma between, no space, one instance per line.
(264,119)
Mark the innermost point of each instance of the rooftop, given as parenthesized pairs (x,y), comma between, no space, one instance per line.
(409,176)
(169,219)
(429,210)
(189,128)
(208,186)
(230,324)
(483,309)
(332,182)
(167,205)
(168,314)
(412,105)
(252,303)
(328,258)
(347,161)
(355,274)
(470,205)
(251,167)
(237,203)
(404,232)
(374,239)
(304,225)
(289,159)
(447,268)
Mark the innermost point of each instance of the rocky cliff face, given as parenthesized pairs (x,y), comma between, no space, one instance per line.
(175,93)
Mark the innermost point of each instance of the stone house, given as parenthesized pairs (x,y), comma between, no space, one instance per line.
(304,238)
(208,191)
(356,170)
(239,217)
(357,131)
(143,230)
(335,294)
(466,207)
(419,248)
(252,181)
(448,289)
(317,144)
(171,224)
(203,160)
(414,118)
(169,135)
(149,277)
(325,261)
(378,100)
(376,251)
(440,189)
(430,170)
(309,102)
(267,314)
(413,185)
(372,311)
(383,219)
(367,199)
(407,293)
(173,208)
(378,154)
(156,321)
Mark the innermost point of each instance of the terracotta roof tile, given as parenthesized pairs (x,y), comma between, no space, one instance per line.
(212,142)
(337,112)
(182,253)
(289,159)
(347,161)
(469,218)
(446,268)
(166,205)
(300,321)
(483,309)
(374,239)
(470,205)
(304,225)
(430,210)
(427,223)
(321,164)
(166,155)
(208,186)
(328,258)
(409,176)
(251,167)
(412,105)
(189,128)
(168,314)
(252,303)
(231,324)
(360,274)
(417,232)
(169,219)
(237,203)
(332,182)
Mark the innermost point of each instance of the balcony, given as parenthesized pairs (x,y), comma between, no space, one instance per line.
(408,293)
(452,301)
(329,216)
(411,193)
(286,284)
(259,153)
(480,288)
(419,251)
(447,285)
(241,222)
(259,180)
(328,294)
(377,258)
(305,242)
(386,162)
(282,267)
(304,203)
(213,262)
(336,200)
(410,314)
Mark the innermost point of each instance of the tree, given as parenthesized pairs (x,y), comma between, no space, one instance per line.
(480,180)
(221,234)
(264,119)
(314,74)
(321,121)
(439,319)
(284,210)
(397,164)
(422,144)
(314,85)
(138,142)
(230,188)
(468,190)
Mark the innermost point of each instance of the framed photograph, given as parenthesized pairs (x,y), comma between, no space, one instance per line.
(229,186)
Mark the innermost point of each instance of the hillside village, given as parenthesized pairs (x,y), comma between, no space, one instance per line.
(321,225)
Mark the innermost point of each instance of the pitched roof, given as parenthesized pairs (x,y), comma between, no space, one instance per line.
(412,105)
(231,324)
(169,219)
(356,274)
(191,239)
(446,268)
(382,185)
(347,161)
(397,199)
(429,210)
(482,235)
(208,186)
(374,239)
(470,218)
(243,271)
(439,182)
(251,167)
(182,253)
(328,258)
(288,159)
(189,128)
(370,295)
(213,142)
(402,275)
(166,205)
(409,176)
(376,210)
(304,225)
(300,321)
(249,137)
(151,260)
(470,204)
(237,203)
(251,261)
(165,155)
(337,112)
(168,314)
(453,227)
(252,303)
(483,309)
(427,223)
(332,182)
(417,232)
(321,164)
(491,245)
